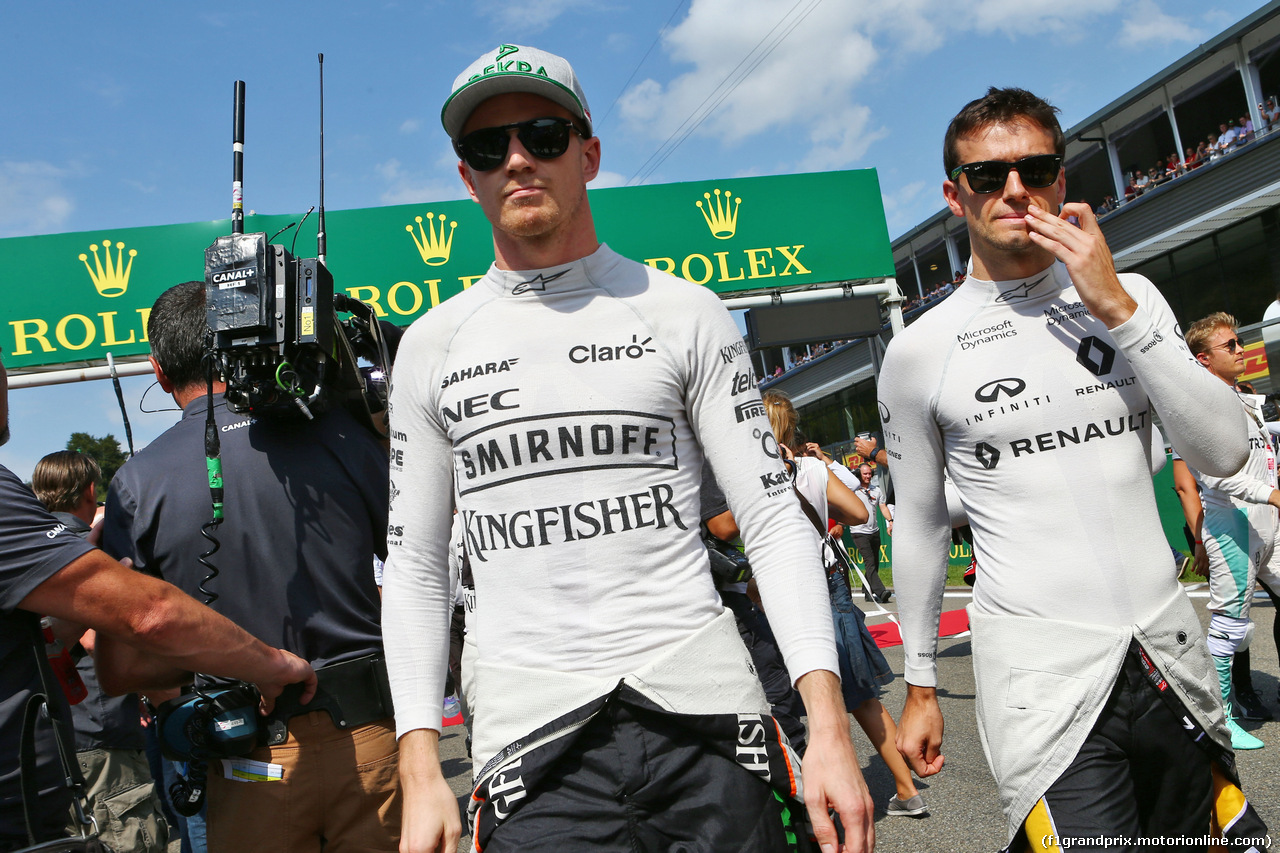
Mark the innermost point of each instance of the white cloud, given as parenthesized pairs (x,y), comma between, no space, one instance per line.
(811,81)
(33,199)
(747,79)
(841,137)
(404,186)
(606,179)
(411,125)
(1031,18)
(908,204)
(533,16)
(1147,23)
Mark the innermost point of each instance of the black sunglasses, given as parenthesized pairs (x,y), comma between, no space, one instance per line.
(544,138)
(1231,345)
(988,176)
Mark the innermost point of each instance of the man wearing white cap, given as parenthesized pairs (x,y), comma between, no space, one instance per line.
(564,405)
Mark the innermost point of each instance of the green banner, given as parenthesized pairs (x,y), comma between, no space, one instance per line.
(71,298)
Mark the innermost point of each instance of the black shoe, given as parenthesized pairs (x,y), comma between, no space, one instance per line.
(884,597)
(1248,705)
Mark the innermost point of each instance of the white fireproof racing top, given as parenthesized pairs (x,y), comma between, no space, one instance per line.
(566,413)
(1042,418)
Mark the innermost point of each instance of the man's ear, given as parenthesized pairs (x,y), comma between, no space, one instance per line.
(466,179)
(590,159)
(1203,358)
(951,193)
(165,384)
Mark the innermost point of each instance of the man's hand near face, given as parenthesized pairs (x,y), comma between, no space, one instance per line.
(1084,251)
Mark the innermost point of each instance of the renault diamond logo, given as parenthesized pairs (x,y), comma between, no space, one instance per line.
(1096,355)
(987,455)
(991,392)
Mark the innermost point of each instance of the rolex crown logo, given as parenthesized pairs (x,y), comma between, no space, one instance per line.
(721,214)
(112,278)
(434,246)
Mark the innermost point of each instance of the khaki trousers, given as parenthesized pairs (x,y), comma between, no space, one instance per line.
(124,800)
(340,793)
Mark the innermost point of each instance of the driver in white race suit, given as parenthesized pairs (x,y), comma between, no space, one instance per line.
(1033,386)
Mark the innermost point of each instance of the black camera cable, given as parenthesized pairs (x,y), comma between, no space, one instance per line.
(188,792)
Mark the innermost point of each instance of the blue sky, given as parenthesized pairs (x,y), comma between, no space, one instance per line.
(119,114)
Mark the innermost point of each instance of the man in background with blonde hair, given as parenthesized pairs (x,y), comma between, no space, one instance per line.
(1233,519)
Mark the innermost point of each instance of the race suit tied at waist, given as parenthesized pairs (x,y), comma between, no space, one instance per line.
(354,692)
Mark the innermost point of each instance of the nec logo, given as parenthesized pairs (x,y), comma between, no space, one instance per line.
(480,404)
(1010,387)
(987,455)
(1096,355)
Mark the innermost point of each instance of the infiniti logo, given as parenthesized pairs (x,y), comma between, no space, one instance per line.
(884,413)
(1010,387)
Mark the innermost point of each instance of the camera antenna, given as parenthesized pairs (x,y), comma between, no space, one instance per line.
(237,162)
(321,247)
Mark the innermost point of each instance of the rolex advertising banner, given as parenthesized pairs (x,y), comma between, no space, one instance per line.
(74,297)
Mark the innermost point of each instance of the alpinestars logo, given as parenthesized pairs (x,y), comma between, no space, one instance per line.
(987,455)
(538,282)
(1096,355)
(1022,291)
(1010,387)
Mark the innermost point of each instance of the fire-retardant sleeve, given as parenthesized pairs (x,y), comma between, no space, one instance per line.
(922,522)
(417,588)
(745,459)
(1200,413)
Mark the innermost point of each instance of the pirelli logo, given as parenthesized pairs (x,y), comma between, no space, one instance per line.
(747,411)
(546,445)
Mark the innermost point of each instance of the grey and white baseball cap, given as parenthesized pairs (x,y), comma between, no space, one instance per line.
(514,68)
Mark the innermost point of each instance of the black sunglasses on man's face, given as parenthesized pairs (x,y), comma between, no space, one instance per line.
(988,176)
(545,138)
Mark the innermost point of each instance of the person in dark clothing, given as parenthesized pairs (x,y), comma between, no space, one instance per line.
(109,739)
(305,505)
(146,630)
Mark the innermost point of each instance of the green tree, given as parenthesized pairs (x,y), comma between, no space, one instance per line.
(106,451)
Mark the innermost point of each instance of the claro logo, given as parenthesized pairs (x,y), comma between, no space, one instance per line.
(582,353)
